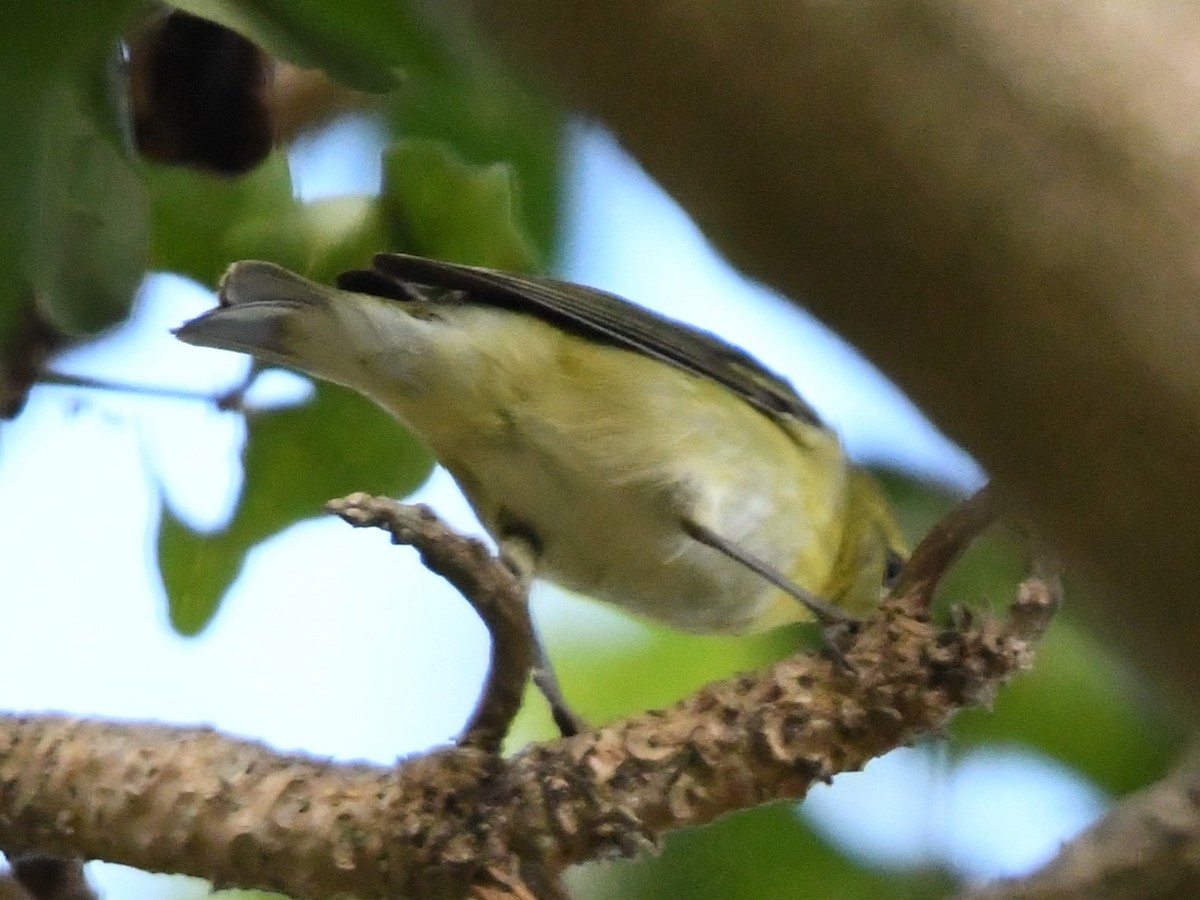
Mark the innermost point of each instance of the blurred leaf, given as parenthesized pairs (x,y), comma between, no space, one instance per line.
(295,460)
(341,233)
(203,223)
(74,240)
(363,43)
(41,39)
(454,90)
(762,854)
(446,208)
(200,221)
(487,116)
(89,251)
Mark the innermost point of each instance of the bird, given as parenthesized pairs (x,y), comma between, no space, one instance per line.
(610,450)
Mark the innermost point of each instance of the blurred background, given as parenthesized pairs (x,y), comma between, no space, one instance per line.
(163,558)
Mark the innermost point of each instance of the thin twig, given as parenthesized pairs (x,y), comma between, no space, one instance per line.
(946,541)
(230,399)
(87,382)
(491,588)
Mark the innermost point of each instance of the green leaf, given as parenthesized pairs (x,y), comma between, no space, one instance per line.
(344,232)
(75,212)
(201,222)
(482,109)
(449,209)
(67,36)
(329,236)
(295,460)
(90,249)
(363,43)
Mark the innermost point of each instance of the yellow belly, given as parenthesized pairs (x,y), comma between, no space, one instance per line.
(600,452)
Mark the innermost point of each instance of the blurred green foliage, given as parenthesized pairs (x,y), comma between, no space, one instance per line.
(73,247)
(473,174)
(436,202)
(295,460)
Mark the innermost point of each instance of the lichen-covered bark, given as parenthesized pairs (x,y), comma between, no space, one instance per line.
(441,824)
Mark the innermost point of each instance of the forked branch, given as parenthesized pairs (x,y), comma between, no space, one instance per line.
(465,821)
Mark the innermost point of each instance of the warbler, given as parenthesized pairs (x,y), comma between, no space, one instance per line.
(610,450)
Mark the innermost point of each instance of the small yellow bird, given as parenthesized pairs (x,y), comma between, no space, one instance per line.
(608,449)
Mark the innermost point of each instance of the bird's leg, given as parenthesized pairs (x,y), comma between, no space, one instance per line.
(520,555)
(825,613)
(832,620)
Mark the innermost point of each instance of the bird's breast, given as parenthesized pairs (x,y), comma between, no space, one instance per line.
(597,455)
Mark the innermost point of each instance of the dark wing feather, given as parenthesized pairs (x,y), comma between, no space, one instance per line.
(594,314)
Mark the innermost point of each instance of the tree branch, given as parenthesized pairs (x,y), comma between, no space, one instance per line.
(996,201)
(462,820)
(495,593)
(946,541)
(1146,848)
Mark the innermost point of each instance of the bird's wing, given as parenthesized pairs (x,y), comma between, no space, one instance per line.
(594,314)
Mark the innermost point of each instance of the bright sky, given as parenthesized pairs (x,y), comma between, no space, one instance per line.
(307,652)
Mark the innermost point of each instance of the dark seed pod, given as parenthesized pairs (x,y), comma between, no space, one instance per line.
(198,93)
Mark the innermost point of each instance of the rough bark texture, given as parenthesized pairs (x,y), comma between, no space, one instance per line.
(462,820)
(997,201)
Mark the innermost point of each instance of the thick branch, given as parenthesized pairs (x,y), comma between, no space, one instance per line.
(997,201)
(188,800)
(1146,848)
